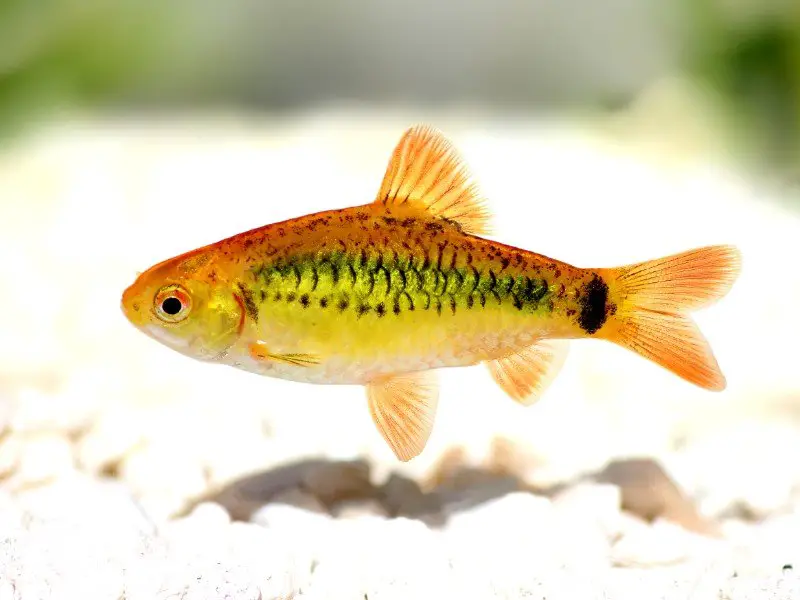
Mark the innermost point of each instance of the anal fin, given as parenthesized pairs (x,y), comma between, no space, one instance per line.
(403,408)
(526,374)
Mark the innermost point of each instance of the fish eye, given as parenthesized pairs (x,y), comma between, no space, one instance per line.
(172,304)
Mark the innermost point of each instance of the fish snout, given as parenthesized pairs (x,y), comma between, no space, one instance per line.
(132,305)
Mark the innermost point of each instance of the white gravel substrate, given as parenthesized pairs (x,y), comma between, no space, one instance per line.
(86,539)
(128,471)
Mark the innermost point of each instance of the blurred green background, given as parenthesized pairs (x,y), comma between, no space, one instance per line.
(740,58)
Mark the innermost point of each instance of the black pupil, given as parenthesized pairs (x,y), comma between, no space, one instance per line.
(171,306)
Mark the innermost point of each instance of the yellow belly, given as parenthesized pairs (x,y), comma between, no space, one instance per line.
(353,348)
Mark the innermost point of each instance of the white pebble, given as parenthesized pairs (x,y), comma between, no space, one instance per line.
(541,536)
(41,457)
(761,482)
(357,509)
(164,475)
(211,513)
(107,506)
(7,591)
(776,587)
(286,517)
(10,453)
(598,504)
(760,549)
(113,435)
(225,462)
(662,543)
(377,558)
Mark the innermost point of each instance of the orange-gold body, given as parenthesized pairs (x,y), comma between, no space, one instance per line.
(384,293)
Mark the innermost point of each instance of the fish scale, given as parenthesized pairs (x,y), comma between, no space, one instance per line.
(389,280)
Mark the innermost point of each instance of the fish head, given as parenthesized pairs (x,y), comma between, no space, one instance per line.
(186,304)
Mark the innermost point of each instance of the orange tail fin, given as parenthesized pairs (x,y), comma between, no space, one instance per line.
(653,301)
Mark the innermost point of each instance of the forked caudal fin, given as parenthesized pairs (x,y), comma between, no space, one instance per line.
(653,301)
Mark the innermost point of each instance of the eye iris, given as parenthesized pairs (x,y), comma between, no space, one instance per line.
(171,306)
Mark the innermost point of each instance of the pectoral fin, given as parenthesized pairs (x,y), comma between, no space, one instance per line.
(526,374)
(260,351)
(403,408)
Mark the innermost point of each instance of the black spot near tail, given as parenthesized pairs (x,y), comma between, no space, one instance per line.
(593,300)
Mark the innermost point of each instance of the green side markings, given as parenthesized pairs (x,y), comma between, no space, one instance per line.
(386,285)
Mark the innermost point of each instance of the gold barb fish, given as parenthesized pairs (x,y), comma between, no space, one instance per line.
(383,294)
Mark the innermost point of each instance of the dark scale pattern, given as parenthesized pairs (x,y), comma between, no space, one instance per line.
(249,305)
(373,281)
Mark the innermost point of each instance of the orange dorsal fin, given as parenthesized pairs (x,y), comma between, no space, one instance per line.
(426,172)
